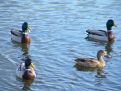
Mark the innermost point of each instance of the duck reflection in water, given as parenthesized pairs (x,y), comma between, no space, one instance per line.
(100,77)
(27,85)
(25,49)
(99,71)
(107,45)
(108,49)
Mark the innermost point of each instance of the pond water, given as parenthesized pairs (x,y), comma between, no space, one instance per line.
(58,38)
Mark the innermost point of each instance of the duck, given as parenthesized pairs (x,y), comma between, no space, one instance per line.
(102,35)
(92,62)
(21,36)
(26,70)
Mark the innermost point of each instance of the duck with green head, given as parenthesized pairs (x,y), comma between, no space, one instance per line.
(102,35)
(92,62)
(26,70)
(21,36)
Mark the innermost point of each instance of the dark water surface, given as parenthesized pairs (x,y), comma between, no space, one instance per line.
(58,37)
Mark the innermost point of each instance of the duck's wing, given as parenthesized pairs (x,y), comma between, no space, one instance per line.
(20,70)
(97,32)
(21,67)
(16,32)
(87,62)
(84,59)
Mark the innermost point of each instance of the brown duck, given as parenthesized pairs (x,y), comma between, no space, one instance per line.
(92,62)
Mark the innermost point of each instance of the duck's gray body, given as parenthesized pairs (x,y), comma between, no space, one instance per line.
(97,35)
(102,35)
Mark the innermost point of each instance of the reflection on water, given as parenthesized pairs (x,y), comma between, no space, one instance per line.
(99,76)
(107,45)
(99,80)
(25,49)
(26,84)
(108,49)
(99,71)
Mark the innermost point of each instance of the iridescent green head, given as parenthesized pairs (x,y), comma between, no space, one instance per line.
(109,24)
(24,27)
(28,62)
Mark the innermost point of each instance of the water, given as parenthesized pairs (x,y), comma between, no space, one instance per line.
(58,38)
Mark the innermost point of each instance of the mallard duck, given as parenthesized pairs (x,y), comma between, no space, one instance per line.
(92,62)
(102,35)
(26,70)
(21,36)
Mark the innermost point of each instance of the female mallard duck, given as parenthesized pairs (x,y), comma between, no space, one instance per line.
(102,35)
(21,36)
(91,62)
(26,70)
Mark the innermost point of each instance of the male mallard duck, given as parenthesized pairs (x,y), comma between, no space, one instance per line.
(102,35)
(26,70)
(21,36)
(91,62)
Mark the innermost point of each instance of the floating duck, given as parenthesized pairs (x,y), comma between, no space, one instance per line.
(21,36)
(26,70)
(92,62)
(102,35)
